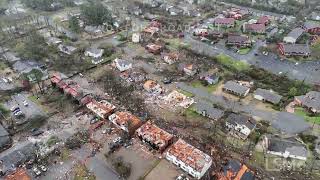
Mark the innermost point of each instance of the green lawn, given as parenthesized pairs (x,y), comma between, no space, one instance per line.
(230,63)
(191,113)
(244,51)
(188,94)
(302,112)
(209,88)
(3,66)
(175,43)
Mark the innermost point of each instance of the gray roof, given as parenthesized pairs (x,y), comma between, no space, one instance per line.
(296,48)
(235,87)
(10,56)
(310,25)
(4,138)
(311,100)
(209,110)
(296,33)
(26,66)
(95,50)
(17,155)
(289,145)
(269,95)
(123,62)
(241,120)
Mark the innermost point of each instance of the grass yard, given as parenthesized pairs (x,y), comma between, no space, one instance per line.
(191,113)
(209,88)
(3,66)
(244,51)
(175,43)
(230,63)
(302,112)
(188,94)
(82,173)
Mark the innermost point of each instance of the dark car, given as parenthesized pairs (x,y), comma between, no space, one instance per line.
(167,81)
(37,133)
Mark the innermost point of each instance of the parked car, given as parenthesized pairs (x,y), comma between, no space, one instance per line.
(36,171)
(43,168)
(167,81)
(117,140)
(13,108)
(37,133)
(25,103)
(94,120)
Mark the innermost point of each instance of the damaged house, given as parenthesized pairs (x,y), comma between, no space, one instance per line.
(190,159)
(155,137)
(125,121)
(240,125)
(310,101)
(102,109)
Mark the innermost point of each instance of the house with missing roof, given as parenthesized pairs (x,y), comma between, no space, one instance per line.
(294,49)
(189,158)
(125,121)
(122,65)
(210,78)
(312,27)
(240,125)
(267,96)
(67,49)
(154,137)
(94,52)
(287,148)
(236,88)
(207,110)
(294,35)
(310,101)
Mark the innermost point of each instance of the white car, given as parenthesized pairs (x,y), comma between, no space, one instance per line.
(43,168)
(13,108)
(25,103)
(36,171)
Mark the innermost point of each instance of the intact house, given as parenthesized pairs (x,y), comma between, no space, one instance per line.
(94,30)
(103,109)
(207,110)
(154,48)
(94,52)
(239,41)
(234,169)
(310,101)
(154,137)
(122,65)
(267,96)
(190,69)
(67,49)
(263,20)
(224,22)
(5,140)
(126,121)
(293,36)
(312,27)
(236,88)
(294,49)
(254,28)
(210,78)
(240,125)
(190,159)
(287,148)
(152,87)
(170,58)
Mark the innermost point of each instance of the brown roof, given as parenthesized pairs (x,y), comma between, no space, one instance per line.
(263,20)
(224,20)
(149,84)
(296,48)
(255,27)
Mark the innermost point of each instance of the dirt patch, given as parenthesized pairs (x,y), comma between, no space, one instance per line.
(166,169)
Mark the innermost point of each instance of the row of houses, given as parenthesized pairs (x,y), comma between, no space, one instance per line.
(192,160)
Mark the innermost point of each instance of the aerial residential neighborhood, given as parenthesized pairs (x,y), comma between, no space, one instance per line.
(160,89)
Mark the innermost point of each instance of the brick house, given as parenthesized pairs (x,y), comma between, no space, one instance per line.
(294,49)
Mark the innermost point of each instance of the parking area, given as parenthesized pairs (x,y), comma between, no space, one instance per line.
(21,102)
(164,170)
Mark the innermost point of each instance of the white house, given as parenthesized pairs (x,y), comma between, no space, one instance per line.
(94,52)
(122,65)
(136,37)
(190,159)
(240,125)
